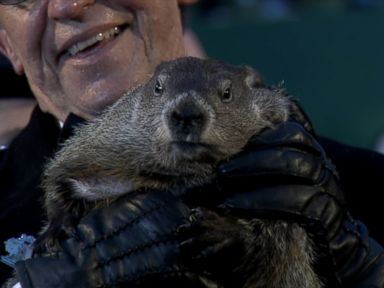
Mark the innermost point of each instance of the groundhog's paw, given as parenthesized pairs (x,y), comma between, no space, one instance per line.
(58,229)
(209,239)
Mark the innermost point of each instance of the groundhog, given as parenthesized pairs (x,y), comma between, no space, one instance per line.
(170,134)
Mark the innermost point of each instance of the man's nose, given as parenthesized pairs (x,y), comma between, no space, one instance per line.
(68,9)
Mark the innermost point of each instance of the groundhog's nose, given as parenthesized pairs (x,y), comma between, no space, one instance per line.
(188,121)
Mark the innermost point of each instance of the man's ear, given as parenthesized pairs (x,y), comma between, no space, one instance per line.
(7,50)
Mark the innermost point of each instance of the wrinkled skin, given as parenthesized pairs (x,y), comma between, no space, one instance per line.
(36,35)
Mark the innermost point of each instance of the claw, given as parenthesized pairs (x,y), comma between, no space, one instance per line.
(196,214)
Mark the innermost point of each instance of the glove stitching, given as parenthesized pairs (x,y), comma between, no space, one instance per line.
(124,226)
(136,249)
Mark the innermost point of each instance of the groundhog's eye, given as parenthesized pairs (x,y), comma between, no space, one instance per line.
(158,88)
(226,95)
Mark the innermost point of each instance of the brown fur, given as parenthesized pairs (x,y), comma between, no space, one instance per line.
(170,134)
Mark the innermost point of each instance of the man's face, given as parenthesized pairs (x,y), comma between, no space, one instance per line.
(81,55)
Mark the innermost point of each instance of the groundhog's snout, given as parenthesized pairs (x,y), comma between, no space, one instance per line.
(187,121)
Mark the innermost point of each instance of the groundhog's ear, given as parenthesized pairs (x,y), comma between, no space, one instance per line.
(253,79)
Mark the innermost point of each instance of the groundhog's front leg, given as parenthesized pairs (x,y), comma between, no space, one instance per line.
(236,252)
(61,225)
(216,246)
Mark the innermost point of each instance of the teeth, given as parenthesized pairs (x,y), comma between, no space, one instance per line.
(78,47)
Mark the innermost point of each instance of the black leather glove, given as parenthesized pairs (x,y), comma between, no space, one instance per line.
(131,243)
(284,174)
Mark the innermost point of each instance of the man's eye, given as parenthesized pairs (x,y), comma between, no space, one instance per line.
(22,4)
(158,88)
(11,2)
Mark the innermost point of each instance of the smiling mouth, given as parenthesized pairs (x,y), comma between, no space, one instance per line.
(95,40)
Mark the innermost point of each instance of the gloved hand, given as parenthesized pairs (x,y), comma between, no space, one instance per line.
(284,174)
(131,243)
(288,176)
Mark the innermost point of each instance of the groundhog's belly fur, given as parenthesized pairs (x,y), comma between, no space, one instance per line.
(170,134)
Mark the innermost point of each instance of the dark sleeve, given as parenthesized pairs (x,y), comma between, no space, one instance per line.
(20,169)
(362,176)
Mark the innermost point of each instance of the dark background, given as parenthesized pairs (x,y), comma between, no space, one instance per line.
(329,55)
